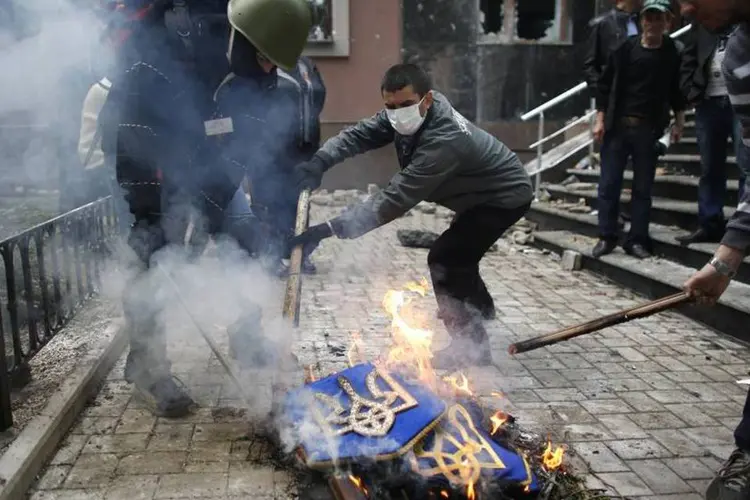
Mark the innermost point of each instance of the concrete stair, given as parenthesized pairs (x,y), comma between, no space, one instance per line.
(567,220)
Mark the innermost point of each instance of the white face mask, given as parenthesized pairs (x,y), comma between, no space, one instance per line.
(406,121)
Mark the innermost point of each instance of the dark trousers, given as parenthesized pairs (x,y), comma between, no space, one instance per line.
(275,203)
(454,264)
(714,124)
(636,142)
(742,432)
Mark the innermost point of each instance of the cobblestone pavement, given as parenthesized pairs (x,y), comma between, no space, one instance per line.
(648,407)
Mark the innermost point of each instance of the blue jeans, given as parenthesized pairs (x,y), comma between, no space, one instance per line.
(238,207)
(714,124)
(620,144)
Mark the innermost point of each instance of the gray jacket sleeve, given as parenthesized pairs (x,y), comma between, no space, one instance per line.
(432,164)
(370,133)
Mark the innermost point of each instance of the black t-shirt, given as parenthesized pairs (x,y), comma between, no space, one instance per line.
(642,91)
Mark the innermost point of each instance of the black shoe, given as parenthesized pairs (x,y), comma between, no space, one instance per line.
(489,313)
(702,235)
(603,247)
(165,397)
(308,267)
(638,251)
(733,480)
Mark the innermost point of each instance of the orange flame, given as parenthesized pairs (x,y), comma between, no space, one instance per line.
(444,494)
(470,494)
(358,483)
(498,420)
(460,384)
(552,460)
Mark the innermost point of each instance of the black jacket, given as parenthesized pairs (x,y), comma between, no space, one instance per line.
(700,45)
(609,87)
(607,33)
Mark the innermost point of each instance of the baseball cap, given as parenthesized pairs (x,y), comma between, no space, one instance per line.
(660,5)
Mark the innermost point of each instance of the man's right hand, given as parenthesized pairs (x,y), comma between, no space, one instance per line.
(309,174)
(708,284)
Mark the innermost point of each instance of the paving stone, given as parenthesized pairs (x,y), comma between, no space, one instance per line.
(658,477)
(621,427)
(631,449)
(599,458)
(140,487)
(91,470)
(116,443)
(625,483)
(220,432)
(679,444)
(690,468)
(88,494)
(191,485)
(585,432)
(136,421)
(658,420)
(53,477)
(95,425)
(250,480)
(607,406)
(171,437)
(156,462)
(69,449)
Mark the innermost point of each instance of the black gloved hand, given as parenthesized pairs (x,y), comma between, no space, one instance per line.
(311,238)
(309,174)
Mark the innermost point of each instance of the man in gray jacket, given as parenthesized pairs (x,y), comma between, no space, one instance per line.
(444,159)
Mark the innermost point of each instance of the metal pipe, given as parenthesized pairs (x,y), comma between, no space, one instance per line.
(539,155)
(567,127)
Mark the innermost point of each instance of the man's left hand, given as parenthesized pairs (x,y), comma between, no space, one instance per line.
(676,134)
(311,238)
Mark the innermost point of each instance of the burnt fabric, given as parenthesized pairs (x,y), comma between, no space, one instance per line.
(459,452)
(416,239)
(454,264)
(363,412)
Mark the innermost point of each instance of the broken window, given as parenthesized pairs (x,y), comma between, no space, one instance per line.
(322,29)
(528,20)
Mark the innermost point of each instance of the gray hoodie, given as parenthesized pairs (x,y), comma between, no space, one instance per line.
(449,161)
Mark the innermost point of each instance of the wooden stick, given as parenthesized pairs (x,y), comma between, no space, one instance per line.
(294,281)
(617,318)
(341,488)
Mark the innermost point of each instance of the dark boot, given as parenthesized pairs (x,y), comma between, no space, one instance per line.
(469,347)
(638,251)
(733,480)
(308,267)
(603,247)
(164,396)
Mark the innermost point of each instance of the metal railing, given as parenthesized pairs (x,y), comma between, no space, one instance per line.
(50,270)
(563,97)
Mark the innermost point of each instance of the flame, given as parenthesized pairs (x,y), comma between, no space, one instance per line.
(310,374)
(411,345)
(498,420)
(460,384)
(356,481)
(420,288)
(444,494)
(470,494)
(552,460)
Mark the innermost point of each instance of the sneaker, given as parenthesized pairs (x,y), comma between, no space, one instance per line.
(733,480)
(165,397)
(308,267)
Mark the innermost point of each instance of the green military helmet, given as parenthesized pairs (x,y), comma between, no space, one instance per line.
(277,28)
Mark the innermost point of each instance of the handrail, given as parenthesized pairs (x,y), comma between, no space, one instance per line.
(567,127)
(580,87)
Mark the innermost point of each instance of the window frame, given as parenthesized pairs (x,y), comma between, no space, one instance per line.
(339,46)
(508,34)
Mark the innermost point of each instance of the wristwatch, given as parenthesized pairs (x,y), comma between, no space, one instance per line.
(722,268)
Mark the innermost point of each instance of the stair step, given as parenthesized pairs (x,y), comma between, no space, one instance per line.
(675,186)
(665,211)
(549,216)
(689,164)
(656,278)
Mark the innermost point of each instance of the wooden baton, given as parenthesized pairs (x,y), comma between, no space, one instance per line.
(294,281)
(340,487)
(653,307)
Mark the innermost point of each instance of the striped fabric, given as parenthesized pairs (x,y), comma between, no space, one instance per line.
(737,76)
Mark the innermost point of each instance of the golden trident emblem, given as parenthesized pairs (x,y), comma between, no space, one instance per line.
(472,451)
(367,417)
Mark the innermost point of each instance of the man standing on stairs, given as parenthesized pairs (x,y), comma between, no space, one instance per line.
(704,87)
(607,33)
(640,83)
(709,283)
